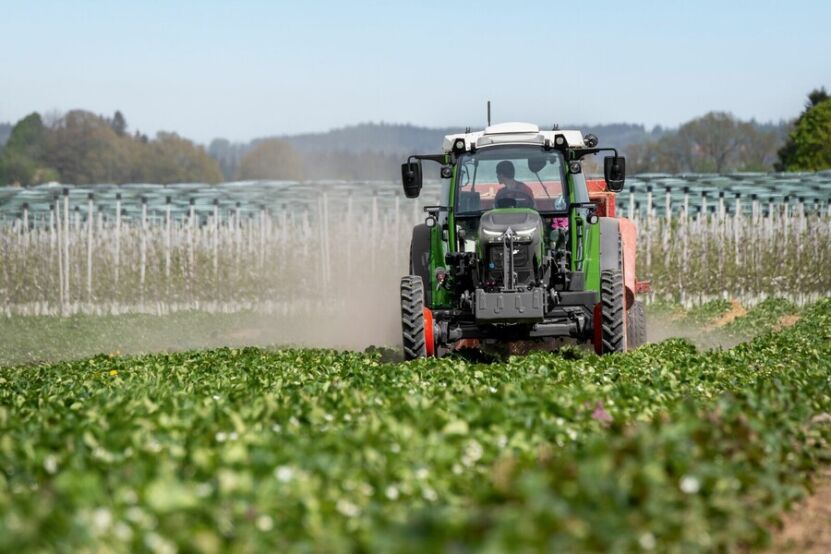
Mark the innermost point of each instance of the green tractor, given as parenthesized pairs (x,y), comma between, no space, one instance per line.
(522,247)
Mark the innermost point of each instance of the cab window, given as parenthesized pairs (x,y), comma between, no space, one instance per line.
(505,177)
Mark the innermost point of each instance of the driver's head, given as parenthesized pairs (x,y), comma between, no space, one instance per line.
(505,170)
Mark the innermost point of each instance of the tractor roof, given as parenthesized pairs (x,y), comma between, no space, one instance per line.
(510,133)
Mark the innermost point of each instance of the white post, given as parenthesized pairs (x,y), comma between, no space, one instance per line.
(143,261)
(374,229)
(737,224)
(349,238)
(117,261)
(167,242)
(191,230)
(216,240)
(327,252)
(67,264)
(58,238)
(237,238)
(686,203)
(261,254)
(397,235)
(90,223)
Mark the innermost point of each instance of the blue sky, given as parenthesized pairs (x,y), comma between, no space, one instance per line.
(252,68)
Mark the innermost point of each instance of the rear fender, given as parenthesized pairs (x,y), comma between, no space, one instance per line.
(611,258)
(618,249)
(629,243)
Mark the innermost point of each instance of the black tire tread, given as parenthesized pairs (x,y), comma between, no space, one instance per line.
(613,312)
(636,325)
(420,259)
(412,317)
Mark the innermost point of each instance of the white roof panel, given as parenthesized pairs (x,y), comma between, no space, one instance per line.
(510,133)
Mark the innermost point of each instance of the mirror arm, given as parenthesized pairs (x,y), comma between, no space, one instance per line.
(438,158)
(579,153)
(436,209)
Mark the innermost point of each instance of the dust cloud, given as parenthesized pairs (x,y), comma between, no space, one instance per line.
(360,310)
(661,327)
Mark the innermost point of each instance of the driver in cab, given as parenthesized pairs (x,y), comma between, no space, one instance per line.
(513,193)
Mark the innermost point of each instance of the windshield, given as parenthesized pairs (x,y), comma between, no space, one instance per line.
(508,177)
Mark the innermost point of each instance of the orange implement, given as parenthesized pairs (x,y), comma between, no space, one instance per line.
(429,345)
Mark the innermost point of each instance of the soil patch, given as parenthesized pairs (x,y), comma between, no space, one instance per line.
(807,527)
(786,321)
(736,310)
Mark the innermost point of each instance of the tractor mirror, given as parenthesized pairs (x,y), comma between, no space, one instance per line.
(614,170)
(411,179)
(536,164)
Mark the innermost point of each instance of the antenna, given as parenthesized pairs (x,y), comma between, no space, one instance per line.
(489,113)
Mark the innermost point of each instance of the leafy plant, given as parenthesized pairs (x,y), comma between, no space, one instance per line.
(663,448)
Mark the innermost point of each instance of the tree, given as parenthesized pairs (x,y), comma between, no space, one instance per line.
(758,150)
(788,152)
(229,155)
(119,124)
(811,140)
(170,158)
(5,131)
(711,142)
(85,149)
(271,159)
(716,142)
(23,157)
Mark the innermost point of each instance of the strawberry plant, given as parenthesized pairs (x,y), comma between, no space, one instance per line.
(663,448)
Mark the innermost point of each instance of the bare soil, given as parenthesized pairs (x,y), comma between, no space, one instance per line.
(786,321)
(736,310)
(807,527)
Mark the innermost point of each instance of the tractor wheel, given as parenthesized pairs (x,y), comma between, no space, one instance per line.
(636,326)
(412,318)
(612,313)
(420,258)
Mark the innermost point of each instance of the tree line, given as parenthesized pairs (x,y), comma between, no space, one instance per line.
(84,148)
(718,142)
(80,147)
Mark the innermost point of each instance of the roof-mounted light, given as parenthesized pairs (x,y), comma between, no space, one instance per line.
(459,145)
(560,141)
(590,140)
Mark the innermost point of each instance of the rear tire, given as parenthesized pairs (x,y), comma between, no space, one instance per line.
(612,312)
(636,326)
(412,318)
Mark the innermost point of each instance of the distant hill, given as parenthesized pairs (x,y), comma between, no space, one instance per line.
(5,131)
(384,138)
(375,150)
(405,139)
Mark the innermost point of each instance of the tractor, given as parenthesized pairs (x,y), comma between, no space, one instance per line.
(522,248)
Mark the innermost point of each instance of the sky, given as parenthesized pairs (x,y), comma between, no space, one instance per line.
(250,68)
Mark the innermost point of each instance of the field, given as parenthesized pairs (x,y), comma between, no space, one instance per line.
(166,383)
(667,448)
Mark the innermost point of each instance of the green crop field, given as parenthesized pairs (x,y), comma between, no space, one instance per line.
(666,448)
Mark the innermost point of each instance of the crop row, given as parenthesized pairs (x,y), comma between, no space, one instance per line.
(311,259)
(663,448)
(691,260)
